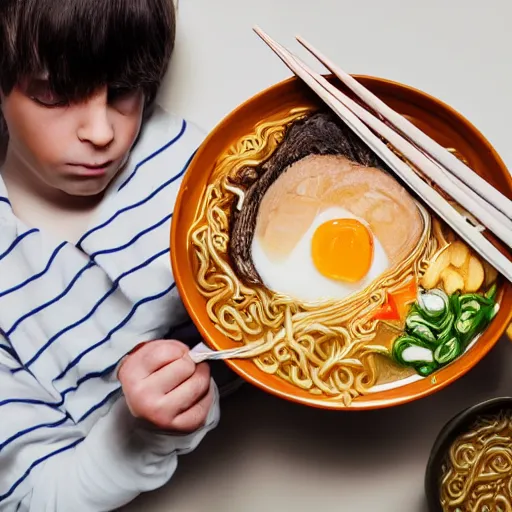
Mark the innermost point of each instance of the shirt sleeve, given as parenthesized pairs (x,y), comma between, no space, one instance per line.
(48,464)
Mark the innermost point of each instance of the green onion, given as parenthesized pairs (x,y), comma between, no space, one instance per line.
(491,292)
(426,369)
(447,322)
(423,333)
(468,328)
(481,299)
(438,328)
(463,326)
(433,304)
(472,305)
(447,329)
(415,319)
(455,304)
(493,312)
(448,351)
(466,315)
(405,342)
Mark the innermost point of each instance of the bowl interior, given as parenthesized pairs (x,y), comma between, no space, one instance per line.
(449,433)
(433,117)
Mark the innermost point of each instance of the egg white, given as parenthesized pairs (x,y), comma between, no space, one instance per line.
(297,276)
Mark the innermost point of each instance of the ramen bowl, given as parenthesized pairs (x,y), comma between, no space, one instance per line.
(460,424)
(242,130)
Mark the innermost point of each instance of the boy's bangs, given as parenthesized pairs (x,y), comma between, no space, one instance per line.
(84,44)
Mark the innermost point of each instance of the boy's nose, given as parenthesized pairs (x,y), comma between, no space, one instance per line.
(95,125)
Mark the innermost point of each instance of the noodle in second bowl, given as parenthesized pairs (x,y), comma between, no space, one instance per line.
(477,475)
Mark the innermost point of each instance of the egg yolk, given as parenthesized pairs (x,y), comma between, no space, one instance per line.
(342,249)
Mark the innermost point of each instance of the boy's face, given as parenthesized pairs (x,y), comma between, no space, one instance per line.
(76,148)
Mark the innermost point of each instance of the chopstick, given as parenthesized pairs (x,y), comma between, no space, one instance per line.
(415,135)
(470,234)
(494,219)
(491,217)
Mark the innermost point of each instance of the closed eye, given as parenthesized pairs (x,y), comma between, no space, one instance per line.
(39,91)
(121,94)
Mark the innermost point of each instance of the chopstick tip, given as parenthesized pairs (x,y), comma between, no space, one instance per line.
(262,34)
(303,42)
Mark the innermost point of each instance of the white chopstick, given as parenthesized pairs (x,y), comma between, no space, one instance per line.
(492,218)
(471,235)
(435,150)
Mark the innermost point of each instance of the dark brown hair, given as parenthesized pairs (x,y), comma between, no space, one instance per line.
(85,44)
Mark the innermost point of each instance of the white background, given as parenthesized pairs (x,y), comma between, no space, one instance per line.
(267,454)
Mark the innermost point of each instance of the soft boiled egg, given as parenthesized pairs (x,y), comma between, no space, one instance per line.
(337,256)
(327,227)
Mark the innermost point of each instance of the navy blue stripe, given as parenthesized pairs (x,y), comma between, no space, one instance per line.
(136,205)
(31,429)
(53,301)
(134,239)
(35,276)
(8,349)
(75,279)
(57,405)
(89,376)
(156,153)
(13,354)
(29,401)
(17,241)
(5,200)
(114,330)
(35,464)
(96,306)
(101,404)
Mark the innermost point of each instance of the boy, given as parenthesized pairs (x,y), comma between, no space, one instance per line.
(91,414)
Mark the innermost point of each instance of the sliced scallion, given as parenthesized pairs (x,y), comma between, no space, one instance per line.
(447,351)
(438,328)
(424,333)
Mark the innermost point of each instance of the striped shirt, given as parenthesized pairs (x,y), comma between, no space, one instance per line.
(68,314)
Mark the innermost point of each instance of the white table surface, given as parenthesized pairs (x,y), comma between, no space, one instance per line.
(267,454)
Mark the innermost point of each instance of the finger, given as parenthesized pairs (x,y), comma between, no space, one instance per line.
(171,375)
(150,358)
(195,417)
(188,393)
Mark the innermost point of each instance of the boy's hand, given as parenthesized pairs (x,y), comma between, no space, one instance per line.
(165,387)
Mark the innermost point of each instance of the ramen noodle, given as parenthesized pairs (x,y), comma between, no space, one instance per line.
(477,475)
(306,246)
